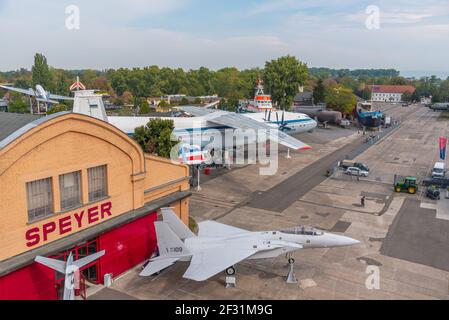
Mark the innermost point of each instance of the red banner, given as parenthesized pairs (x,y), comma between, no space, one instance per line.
(443,144)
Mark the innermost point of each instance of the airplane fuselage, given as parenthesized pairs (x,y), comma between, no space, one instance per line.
(199,131)
(269,244)
(41,93)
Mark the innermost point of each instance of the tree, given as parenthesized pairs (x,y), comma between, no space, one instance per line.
(283,77)
(41,72)
(144,106)
(164,104)
(156,137)
(341,99)
(407,96)
(319,94)
(184,101)
(17,104)
(58,108)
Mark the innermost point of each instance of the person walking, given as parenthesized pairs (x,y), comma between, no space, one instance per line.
(362,201)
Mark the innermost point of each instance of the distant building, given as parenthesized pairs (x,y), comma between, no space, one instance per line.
(74,184)
(389,93)
(303,99)
(177,98)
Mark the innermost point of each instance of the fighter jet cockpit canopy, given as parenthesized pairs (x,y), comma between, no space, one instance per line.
(305,231)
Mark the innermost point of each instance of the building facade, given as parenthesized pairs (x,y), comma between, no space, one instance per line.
(73,183)
(389,93)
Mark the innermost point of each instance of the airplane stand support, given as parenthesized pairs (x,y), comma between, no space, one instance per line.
(230,278)
(291,278)
(288,154)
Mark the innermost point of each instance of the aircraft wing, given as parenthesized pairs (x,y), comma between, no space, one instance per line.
(29,92)
(215,229)
(58,97)
(157,265)
(207,263)
(54,264)
(196,111)
(239,121)
(47,101)
(85,261)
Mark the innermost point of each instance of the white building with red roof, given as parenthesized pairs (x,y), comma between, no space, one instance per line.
(389,93)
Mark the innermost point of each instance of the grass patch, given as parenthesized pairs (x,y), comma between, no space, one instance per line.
(193,226)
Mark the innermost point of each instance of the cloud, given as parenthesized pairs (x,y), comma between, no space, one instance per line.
(193,33)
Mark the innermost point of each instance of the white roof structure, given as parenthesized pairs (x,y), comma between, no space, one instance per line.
(89,103)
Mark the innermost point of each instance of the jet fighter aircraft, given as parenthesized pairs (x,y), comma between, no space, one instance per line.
(69,268)
(219,247)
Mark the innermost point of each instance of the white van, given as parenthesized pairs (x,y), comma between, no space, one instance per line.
(439,170)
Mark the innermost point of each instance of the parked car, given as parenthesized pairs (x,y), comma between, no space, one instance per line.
(433,193)
(353,171)
(344,123)
(440,182)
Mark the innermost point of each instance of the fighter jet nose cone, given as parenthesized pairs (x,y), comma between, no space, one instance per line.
(350,242)
(342,241)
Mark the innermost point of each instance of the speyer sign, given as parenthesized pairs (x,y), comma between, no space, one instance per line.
(68,224)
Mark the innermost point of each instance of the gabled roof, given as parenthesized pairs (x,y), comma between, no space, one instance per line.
(391,88)
(11,122)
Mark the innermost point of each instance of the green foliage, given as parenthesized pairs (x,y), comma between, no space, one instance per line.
(41,72)
(283,78)
(319,94)
(184,101)
(335,73)
(144,106)
(156,137)
(58,108)
(407,97)
(164,104)
(17,104)
(341,99)
(229,104)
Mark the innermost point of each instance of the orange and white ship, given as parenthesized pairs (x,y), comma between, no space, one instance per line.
(261,102)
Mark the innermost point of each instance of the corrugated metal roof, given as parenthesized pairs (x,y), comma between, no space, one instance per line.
(13,125)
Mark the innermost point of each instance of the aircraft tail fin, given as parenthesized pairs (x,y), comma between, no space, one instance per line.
(171,250)
(54,264)
(168,242)
(178,227)
(85,261)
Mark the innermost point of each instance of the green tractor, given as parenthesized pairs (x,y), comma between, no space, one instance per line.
(405,184)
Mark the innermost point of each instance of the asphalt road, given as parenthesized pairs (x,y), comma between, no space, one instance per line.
(416,235)
(283,195)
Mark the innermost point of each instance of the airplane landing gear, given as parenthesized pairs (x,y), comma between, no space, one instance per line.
(230,277)
(230,271)
(291,278)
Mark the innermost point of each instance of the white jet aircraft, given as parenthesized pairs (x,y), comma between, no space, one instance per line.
(219,247)
(39,93)
(69,268)
(207,126)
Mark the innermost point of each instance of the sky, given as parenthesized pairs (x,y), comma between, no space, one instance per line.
(408,35)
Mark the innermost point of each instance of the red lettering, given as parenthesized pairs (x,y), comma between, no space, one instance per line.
(106,209)
(79,218)
(47,229)
(33,237)
(92,215)
(65,225)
